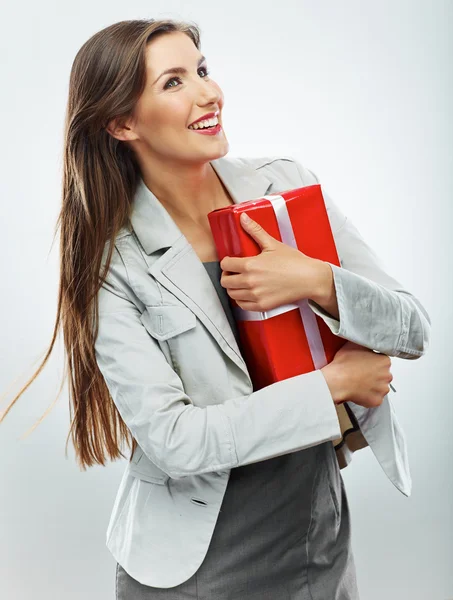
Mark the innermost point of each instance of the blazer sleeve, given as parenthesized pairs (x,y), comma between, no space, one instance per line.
(375,310)
(183,439)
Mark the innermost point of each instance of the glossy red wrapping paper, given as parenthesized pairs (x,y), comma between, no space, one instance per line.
(277,347)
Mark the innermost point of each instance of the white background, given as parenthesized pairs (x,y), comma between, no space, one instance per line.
(361,93)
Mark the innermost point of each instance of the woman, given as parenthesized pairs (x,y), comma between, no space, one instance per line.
(230,493)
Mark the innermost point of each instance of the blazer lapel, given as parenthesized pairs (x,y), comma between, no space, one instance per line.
(179,269)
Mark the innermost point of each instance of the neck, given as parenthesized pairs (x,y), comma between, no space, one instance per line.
(188,191)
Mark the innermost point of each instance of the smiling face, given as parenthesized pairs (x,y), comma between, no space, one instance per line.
(171,102)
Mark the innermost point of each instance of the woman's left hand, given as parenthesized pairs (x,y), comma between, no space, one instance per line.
(279,275)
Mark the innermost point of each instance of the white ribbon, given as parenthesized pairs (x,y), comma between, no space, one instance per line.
(308,316)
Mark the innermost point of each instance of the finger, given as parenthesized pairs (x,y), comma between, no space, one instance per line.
(249,305)
(235,281)
(243,295)
(234,264)
(258,233)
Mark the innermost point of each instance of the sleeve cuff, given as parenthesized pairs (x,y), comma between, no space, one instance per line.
(333,323)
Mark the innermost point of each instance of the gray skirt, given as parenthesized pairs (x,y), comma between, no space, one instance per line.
(283,533)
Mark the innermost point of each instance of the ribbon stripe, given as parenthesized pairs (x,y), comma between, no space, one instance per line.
(308,317)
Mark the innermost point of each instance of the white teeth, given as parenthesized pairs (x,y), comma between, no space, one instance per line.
(206,123)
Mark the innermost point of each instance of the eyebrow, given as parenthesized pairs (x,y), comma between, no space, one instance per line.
(179,70)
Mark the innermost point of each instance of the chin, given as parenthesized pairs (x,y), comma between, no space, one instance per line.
(222,151)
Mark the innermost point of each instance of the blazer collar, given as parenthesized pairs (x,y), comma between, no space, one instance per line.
(154,226)
(179,268)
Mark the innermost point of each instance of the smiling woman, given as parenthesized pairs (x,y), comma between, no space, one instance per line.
(174,162)
(230,493)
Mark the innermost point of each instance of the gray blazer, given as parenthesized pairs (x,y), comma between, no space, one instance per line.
(175,372)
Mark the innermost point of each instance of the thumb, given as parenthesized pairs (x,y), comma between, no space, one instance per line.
(254,229)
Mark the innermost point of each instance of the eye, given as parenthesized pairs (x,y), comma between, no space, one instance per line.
(166,86)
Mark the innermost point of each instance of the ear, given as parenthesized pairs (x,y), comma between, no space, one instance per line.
(121,129)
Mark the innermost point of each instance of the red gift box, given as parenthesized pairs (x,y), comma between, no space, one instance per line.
(291,339)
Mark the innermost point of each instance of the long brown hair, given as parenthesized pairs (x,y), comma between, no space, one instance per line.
(100,174)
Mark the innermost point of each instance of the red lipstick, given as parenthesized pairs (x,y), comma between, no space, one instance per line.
(206,116)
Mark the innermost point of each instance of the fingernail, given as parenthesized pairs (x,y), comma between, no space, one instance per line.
(245,218)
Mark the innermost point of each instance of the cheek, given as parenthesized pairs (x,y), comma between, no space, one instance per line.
(165,126)
(176,111)
(171,113)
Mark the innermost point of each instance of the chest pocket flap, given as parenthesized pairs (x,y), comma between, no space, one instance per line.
(167,320)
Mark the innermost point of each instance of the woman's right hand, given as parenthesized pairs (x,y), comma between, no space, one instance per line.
(358,375)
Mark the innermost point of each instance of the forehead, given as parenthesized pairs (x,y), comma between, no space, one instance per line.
(168,50)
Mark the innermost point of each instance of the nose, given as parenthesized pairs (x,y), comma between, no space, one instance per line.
(209,93)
